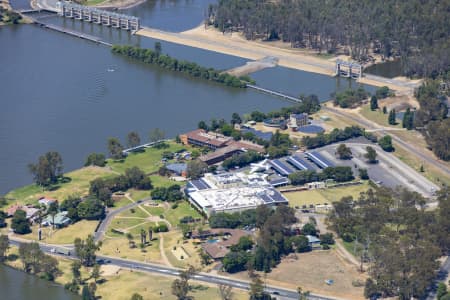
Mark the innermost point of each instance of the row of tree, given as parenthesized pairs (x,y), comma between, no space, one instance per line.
(415,30)
(399,238)
(431,119)
(191,68)
(336,135)
(338,174)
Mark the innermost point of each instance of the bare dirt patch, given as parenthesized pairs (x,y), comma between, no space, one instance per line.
(311,270)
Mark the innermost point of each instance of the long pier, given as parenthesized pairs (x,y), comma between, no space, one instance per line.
(274,93)
(72,33)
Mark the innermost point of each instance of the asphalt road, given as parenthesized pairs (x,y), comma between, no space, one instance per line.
(169,271)
(403,144)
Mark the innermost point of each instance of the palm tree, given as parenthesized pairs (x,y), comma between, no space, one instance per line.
(53,209)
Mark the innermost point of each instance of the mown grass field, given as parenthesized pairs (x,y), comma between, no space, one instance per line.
(378,117)
(149,161)
(322,196)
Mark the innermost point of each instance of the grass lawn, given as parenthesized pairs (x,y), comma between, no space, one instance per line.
(160,181)
(119,247)
(134,212)
(183,209)
(79,185)
(64,235)
(377,116)
(322,196)
(138,194)
(125,224)
(154,210)
(149,160)
(121,202)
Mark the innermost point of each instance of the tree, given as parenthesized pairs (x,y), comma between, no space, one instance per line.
(225,292)
(133,139)
(374,103)
(85,250)
(4,246)
(95,274)
(386,143)
(95,159)
(408,119)
(115,148)
(371,155)
(136,296)
(301,243)
(52,210)
(88,291)
(392,120)
(363,174)
(143,236)
(2,219)
(257,288)
(327,238)
(75,266)
(309,229)
(150,234)
(344,152)
(158,48)
(19,223)
(441,290)
(91,209)
(384,110)
(202,125)
(236,119)
(196,168)
(49,267)
(48,169)
(301,294)
(181,287)
(156,135)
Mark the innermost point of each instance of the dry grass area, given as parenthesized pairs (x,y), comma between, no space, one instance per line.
(123,285)
(322,196)
(119,247)
(64,235)
(174,239)
(310,270)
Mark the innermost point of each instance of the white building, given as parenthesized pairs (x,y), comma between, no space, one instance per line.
(231,192)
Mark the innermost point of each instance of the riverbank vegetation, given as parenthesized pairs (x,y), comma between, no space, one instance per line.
(399,239)
(415,31)
(156,57)
(432,118)
(9,16)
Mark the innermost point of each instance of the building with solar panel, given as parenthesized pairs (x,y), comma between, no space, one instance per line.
(232,192)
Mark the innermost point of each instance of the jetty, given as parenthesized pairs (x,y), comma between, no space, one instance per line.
(274,93)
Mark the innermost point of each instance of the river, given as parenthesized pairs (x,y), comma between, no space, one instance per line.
(17,285)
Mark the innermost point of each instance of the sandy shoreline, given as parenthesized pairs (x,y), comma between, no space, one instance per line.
(234,44)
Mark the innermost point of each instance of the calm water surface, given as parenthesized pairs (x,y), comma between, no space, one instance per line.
(17,285)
